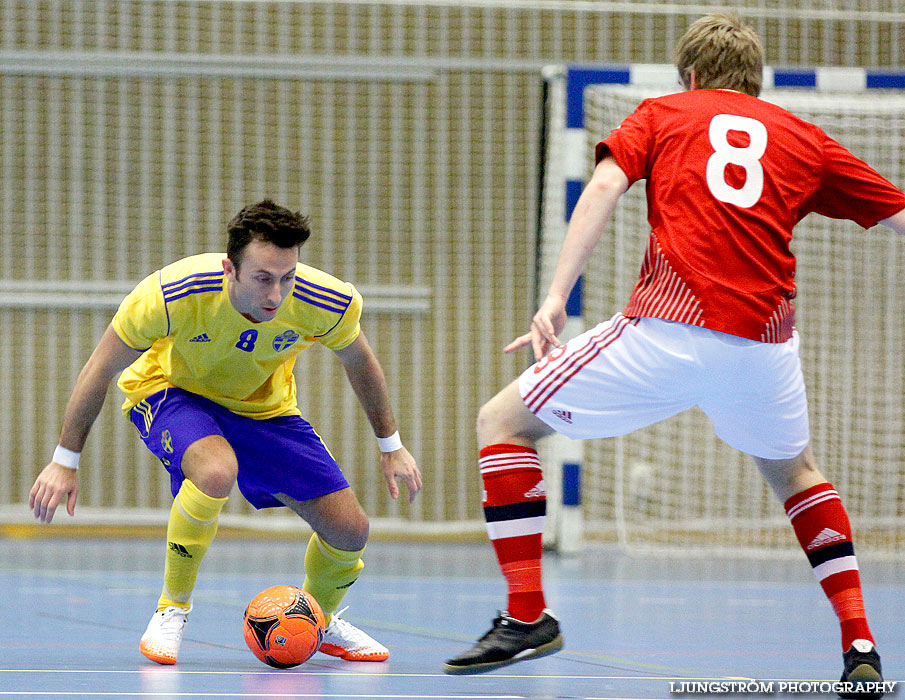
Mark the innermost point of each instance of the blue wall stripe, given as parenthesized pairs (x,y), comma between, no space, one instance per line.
(573,192)
(793,77)
(575,302)
(571,484)
(885,80)
(577,79)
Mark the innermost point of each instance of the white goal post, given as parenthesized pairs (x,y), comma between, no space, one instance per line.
(675,486)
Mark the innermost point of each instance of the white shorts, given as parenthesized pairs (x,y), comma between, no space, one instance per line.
(628,373)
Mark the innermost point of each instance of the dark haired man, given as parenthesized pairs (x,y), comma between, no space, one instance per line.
(206,347)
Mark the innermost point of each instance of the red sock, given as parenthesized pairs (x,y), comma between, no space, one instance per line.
(515,504)
(823,530)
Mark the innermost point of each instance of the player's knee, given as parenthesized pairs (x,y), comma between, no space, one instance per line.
(487,424)
(352,533)
(788,477)
(211,464)
(216,479)
(500,421)
(360,532)
(504,419)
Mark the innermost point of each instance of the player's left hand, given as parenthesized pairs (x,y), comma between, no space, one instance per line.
(399,464)
(546,326)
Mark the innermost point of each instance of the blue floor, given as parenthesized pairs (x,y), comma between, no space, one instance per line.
(73,611)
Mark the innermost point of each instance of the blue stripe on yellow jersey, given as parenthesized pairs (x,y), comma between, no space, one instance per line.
(301,282)
(320,296)
(205,282)
(202,276)
(245,366)
(314,302)
(193,290)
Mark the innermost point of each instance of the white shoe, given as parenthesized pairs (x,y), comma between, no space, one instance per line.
(346,641)
(162,638)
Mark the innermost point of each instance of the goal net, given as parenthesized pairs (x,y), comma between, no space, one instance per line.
(675,485)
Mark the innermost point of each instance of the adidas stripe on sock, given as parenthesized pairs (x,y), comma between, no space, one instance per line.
(329,572)
(190,530)
(515,506)
(824,532)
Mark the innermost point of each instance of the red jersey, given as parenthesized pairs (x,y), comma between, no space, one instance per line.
(728,177)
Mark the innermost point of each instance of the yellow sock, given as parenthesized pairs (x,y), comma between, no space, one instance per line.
(329,572)
(192,526)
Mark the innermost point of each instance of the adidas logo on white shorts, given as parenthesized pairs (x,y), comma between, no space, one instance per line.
(565,416)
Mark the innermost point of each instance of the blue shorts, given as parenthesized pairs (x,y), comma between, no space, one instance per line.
(278,455)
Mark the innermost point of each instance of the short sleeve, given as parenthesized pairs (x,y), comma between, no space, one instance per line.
(851,189)
(347,327)
(142,316)
(630,144)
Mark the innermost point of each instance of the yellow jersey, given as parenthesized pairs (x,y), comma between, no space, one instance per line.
(194,338)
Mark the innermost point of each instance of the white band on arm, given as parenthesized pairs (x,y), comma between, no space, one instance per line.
(390,443)
(67,458)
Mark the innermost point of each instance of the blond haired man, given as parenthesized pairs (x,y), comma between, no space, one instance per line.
(709,323)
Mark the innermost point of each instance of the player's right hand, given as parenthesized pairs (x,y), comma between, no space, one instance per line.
(546,325)
(54,483)
(399,464)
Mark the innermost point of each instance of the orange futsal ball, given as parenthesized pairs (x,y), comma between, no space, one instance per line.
(283,626)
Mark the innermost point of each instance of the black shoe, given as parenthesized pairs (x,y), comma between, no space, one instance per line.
(508,641)
(862,665)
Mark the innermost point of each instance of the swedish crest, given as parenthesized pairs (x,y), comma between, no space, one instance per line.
(284,340)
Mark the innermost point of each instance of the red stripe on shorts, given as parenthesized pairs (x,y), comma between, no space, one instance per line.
(558,378)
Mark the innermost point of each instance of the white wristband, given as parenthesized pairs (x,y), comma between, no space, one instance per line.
(391,443)
(66,457)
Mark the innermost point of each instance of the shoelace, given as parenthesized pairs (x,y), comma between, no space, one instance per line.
(499,622)
(172,620)
(346,631)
